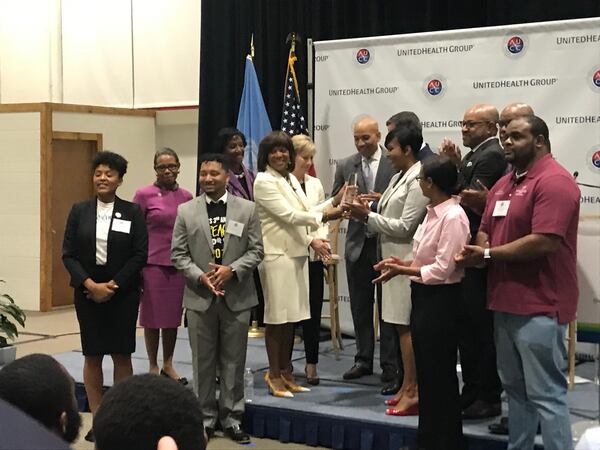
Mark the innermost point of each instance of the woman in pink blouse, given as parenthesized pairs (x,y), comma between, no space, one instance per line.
(435,291)
(160,304)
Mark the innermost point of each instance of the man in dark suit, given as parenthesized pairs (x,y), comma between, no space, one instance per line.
(217,244)
(481,167)
(373,173)
(409,118)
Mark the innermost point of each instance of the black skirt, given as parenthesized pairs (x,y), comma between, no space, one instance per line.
(107,328)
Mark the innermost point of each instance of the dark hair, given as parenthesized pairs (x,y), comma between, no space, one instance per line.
(165,151)
(112,160)
(406,135)
(224,135)
(404,118)
(442,172)
(269,143)
(39,386)
(216,157)
(538,127)
(138,411)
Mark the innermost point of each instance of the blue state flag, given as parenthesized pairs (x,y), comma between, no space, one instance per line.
(253,120)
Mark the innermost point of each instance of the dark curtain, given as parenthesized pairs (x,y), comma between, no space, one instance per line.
(228,24)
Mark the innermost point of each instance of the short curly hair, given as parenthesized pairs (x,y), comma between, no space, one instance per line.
(112,160)
(269,143)
(138,411)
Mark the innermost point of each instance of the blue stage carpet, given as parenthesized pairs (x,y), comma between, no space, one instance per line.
(336,414)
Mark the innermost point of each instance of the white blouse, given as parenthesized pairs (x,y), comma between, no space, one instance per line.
(104,213)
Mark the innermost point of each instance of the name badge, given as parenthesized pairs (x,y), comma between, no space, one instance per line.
(122,226)
(501,208)
(419,233)
(234,228)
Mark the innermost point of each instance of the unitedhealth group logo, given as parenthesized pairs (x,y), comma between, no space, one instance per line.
(515,44)
(434,86)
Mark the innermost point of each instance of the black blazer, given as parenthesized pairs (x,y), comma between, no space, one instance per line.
(126,252)
(487,165)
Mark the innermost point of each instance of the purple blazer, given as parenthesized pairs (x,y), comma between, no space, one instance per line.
(235,187)
(160,208)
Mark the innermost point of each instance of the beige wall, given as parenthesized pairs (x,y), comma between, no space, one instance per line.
(131,136)
(20,213)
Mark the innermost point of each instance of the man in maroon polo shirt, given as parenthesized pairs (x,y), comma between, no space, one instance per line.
(528,238)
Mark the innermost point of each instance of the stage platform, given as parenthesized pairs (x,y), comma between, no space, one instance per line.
(336,414)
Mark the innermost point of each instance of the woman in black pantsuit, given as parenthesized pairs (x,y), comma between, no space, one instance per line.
(435,293)
(104,248)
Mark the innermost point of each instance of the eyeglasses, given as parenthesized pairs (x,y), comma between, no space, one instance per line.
(473,123)
(171,167)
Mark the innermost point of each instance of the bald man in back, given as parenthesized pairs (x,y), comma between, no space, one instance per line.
(480,168)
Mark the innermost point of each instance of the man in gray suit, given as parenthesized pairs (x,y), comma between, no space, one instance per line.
(217,243)
(373,171)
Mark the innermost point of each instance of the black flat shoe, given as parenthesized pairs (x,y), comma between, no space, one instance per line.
(182,380)
(313,381)
(236,434)
(90,436)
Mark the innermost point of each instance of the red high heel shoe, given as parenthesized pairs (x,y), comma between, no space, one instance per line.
(392,401)
(411,411)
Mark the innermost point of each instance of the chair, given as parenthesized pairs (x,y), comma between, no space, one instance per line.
(331,278)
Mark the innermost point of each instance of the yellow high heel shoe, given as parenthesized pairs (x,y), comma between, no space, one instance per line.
(293,386)
(277,392)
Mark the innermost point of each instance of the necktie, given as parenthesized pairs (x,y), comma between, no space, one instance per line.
(368,175)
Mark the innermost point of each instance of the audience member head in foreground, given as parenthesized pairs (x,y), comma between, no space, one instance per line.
(40,386)
(140,411)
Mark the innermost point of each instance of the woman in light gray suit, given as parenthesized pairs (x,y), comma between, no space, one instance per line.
(313,188)
(400,210)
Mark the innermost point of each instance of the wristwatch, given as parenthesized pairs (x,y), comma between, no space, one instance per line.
(486,254)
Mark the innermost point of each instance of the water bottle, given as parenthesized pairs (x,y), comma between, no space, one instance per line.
(248,385)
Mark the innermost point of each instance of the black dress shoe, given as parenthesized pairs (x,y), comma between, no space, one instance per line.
(235,433)
(391,388)
(482,410)
(388,375)
(210,433)
(90,436)
(357,371)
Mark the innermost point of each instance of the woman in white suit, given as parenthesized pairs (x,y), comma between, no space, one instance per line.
(400,210)
(286,220)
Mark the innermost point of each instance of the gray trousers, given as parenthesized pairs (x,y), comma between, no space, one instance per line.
(219,338)
(360,275)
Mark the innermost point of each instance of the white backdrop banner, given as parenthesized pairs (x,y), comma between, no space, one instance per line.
(553,66)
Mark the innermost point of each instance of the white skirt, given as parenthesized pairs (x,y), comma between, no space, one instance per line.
(285,288)
(395,296)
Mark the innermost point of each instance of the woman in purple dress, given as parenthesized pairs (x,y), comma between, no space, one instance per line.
(161,301)
(231,142)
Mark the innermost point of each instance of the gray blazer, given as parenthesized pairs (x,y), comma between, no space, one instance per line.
(346,167)
(191,251)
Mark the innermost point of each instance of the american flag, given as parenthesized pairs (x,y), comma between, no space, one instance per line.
(292,119)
